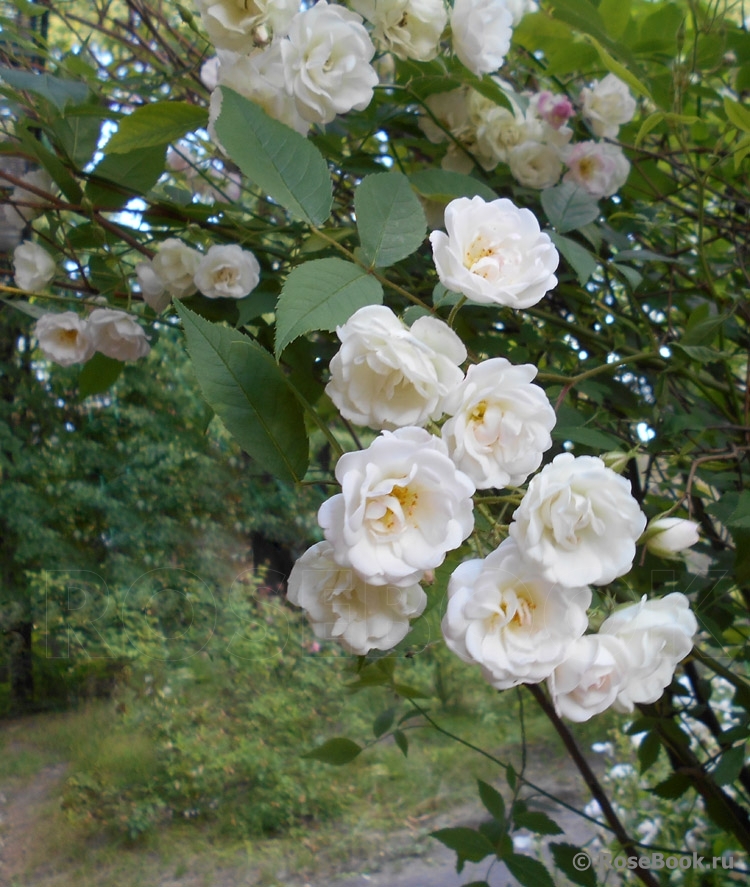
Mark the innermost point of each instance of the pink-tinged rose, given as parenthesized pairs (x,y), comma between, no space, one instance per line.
(597,167)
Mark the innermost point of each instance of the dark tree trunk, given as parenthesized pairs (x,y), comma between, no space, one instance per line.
(20,665)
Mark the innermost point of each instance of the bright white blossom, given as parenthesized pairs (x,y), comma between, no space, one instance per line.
(494,253)
(387,375)
(410,29)
(152,287)
(587,682)
(498,130)
(607,106)
(578,522)
(402,507)
(481,33)
(33,266)
(667,536)
(657,633)
(535,165)
(597,167)
(326,57)
(343,607)
(241,24)
(115,334)
(500,424)
(227,272)
(504,616)
(175,264)
(64,338)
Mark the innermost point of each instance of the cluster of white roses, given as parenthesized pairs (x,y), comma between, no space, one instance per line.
(304,67)
(407,499)
(534,139)
(225,271)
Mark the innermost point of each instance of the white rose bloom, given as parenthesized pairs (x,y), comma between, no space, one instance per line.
(403,506)
(64,338)
(33,266)
(115,334)
(227,272)
(175,264)
(209,73)
(658,634)
(504,616)
(326,57)
(535,165)
(42,181)
(578,522)
(451,110)
(387,375)
(494,253)
(501,424)
(481,33)
(410,29)
(519,8)
(343,607)
(260,78)
(587,682)
(498,131)
(231,24)
(667,536)
(597,167)
(152,287)
(607,106)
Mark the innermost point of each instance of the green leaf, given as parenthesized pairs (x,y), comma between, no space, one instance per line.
(98,374)
(738,114)
(248,391)
(615,15)
(390,218)
(443,185)
(538,822)
(78,133)
(134,173)
(568,207)
(54,166)
(469,845)
(527,871)
(589,437)
(401,741)
(651,122)
(702,353)
(158,123)
(321,295)
(702,331)
(578,257)
(673,786)
(281,162)
(739,519)
(382,723)
(575,863)
(336,751)
(105,277)
(648,751)
(619,70)
(492,800)
(56,90)
(729,766)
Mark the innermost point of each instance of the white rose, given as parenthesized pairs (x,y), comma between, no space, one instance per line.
(494,253)
(64,338)
(231,24)
(326,57)
(481,33)
(209,73)
(519,8)
(343,607)
(578,522)
(658,634)
(227,272)
(410,29)
(597,167)
(498,131)
(33,266)
(451,111)
(25,202)
(403,506)
(152,287)
(115,334)
(587,682)
(175,264)
(260,78)
(535,165)
(607,106)
(667,536)
(501,424)
(504,616)
(386,375)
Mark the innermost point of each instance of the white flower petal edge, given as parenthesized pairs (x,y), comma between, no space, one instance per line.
(494,253)
(578,522)
(115,334)
(500,425)
(658,633)
(403,506)
(387,375)
(33,266)
(503,615)
(342,606)
(64,338)
(481,33)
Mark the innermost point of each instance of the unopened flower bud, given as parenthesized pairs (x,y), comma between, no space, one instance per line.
(666,536)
